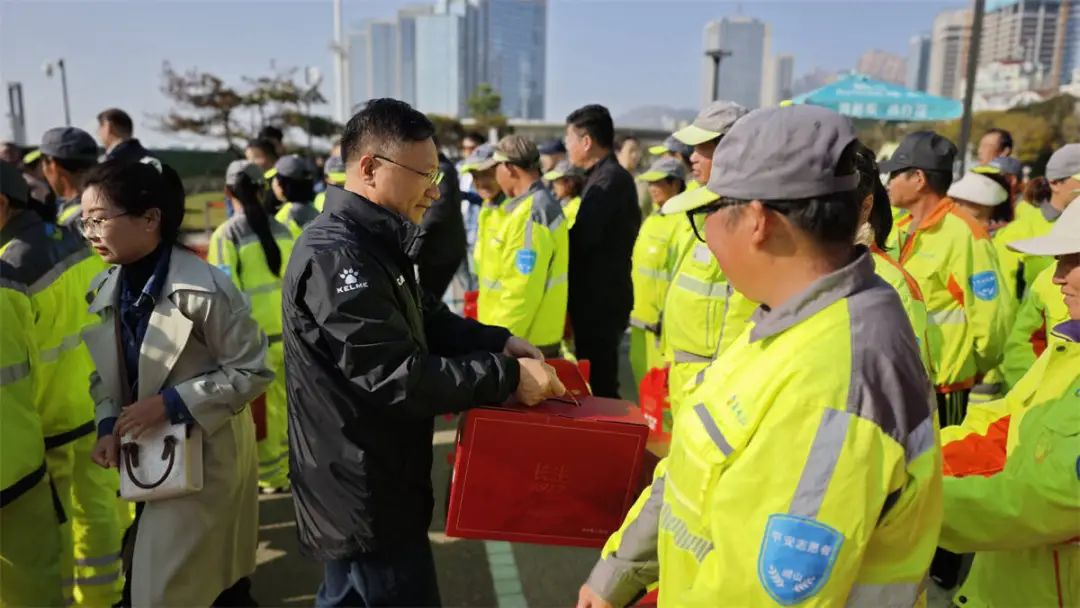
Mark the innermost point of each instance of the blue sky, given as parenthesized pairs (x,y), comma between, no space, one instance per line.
(622,53)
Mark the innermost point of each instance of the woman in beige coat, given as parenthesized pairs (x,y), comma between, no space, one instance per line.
(176,344)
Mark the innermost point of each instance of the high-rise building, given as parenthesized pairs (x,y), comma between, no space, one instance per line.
(882,65)
(781,80)
(742,73)
(949,44)
(406,53)
(515,52)
(1037,32)
(440,64)
(373,59)
(434,56)
(918,62)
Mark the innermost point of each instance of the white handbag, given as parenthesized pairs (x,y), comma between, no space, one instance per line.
(164,463)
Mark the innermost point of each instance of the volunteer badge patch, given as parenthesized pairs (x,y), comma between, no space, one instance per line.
(797,556)
(985,285)
(525,260)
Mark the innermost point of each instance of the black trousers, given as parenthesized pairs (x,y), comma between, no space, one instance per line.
(601,347)
(399,574)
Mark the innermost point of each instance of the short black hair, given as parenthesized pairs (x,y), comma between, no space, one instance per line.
(264,145)
(473,135)
(881,219)
(937,181)
(296,190)
(381,125)
(75,166)
(119,120)
(596,121)
(620,142)
(1004,137)
(271,132)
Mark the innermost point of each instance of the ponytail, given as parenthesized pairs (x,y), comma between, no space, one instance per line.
(247,192)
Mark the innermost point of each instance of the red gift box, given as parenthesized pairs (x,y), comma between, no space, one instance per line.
(653,394)
(554,474)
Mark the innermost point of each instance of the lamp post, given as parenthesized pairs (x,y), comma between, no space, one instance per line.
(59,64)
(717,56)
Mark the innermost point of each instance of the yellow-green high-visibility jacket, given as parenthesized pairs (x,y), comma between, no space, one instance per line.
(22,449)
(1011,490)
(1020,269)
(1041,309)
(655,259)
(968,313)
(295,216)
(703,314)
(570,209)
(69,214)
(236,250)
(523,269)
(808,470)
(487,227)
(911,298)
(55,267)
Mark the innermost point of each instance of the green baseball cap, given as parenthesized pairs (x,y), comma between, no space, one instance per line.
(563,169)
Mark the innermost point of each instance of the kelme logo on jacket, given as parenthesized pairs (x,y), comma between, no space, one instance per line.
(349,281)
(985,285)
(797,556)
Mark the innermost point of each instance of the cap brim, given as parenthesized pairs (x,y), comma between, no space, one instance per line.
(336,178)
(889,167)
(693,136)
(1048,245)
(31,157)
(653,176)
(553,175)
(658,150)
(688,201)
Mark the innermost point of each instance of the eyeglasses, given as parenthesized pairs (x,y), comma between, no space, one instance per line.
(698,216)
(435,176)
(94,226)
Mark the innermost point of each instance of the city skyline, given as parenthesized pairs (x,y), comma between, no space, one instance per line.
(644,61)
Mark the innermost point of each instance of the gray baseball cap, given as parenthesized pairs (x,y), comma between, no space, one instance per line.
(712,121)
(563,168)
(672,145)
(1007,165)
(242,167)
(480,159)
(294,167)
(1064,163)
(69,143)
(663,169)
(517,150)
(1063,238)
(12,183)
(779,153)
(924,150)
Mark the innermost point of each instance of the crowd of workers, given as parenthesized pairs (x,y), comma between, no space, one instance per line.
(872,369)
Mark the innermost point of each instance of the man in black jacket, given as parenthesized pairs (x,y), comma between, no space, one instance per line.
(444,245)
(115,130)
(370,360)
(601,242)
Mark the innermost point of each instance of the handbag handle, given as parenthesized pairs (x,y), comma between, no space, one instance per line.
(131,454)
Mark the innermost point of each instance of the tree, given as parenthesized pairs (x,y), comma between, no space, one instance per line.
(484,106)
(205,106)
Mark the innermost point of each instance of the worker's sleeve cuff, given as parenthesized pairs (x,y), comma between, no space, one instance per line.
(619,581)
(105,427)
(175,408)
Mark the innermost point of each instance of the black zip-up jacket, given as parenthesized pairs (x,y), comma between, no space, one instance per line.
(601,243)
(129,150)
(369,363)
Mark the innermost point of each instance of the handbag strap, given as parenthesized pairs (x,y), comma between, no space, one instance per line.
(131,460)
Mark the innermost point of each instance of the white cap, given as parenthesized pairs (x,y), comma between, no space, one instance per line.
(978,189)
(1063,239)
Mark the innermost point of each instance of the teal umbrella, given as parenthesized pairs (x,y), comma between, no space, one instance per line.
(860,96)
